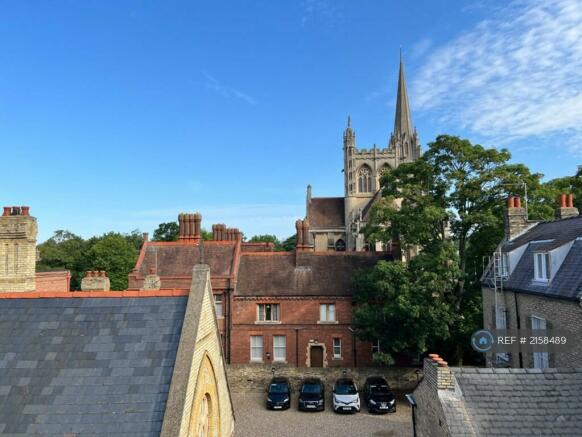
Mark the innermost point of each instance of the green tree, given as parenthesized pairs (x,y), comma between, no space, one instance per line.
(454,194)
(290,243)
(116,254)
(168,231)
(405,306)
(64,251)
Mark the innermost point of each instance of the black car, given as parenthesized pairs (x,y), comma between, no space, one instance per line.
(378,395)
(312,395)
(279,394)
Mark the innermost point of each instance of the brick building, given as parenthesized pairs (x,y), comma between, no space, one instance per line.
(290,308)
(535,282)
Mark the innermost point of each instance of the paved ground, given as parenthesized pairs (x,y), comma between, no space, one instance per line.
(254,420)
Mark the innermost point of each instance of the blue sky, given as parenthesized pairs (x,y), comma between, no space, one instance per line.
(118,115)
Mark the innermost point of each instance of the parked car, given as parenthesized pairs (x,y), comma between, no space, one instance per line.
(378,396)
(279,394)
(345,396)
(312,395)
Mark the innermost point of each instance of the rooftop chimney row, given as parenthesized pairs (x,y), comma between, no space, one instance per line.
(567,208)
(190,226)
(16,210)
(221,233)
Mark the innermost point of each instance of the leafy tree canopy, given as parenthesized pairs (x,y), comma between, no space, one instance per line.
(113,252)
(449,204)
(168,231)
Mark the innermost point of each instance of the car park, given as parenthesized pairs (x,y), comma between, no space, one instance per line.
(378,396)
(279,394)
(345,396)
(312,395)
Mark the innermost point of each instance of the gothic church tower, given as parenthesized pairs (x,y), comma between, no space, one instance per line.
(363,168)
(336,222)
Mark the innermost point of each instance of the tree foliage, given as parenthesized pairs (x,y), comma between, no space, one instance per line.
(405,306)
(453,195)
(168,231)
(113,252)
(280,246)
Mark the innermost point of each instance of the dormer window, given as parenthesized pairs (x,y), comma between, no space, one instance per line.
(542,266)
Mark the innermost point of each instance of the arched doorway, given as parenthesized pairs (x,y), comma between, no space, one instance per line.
(205,415)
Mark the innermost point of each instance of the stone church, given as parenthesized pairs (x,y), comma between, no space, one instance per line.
(336,222)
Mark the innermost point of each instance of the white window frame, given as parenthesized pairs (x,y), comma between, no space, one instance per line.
(376,347)
(501,323)
(337,347)
(327,313)
(257,348)
(219,305)
(275,312)
(542,264)
(280,350)
(541,360)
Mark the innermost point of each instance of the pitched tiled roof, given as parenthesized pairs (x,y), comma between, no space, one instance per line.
(559,231)
(302,273)
(87,366)
(516,402)
(547,236)
(326,212)
(567,282)
(177,259)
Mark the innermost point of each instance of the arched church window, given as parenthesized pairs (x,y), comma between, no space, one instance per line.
(365,179)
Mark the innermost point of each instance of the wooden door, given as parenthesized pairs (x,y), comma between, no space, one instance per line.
(316,356)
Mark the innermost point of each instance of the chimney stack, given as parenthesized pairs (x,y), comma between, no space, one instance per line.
(190,226)
(95,280)
(516,220)
(437,373)
(566,208)
(303,240)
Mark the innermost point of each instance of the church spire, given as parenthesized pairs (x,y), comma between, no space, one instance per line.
(403,119)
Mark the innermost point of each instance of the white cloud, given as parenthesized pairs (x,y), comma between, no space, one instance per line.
(225,90)
(420,48)
(514,75)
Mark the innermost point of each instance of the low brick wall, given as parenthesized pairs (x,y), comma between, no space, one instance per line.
(255,377)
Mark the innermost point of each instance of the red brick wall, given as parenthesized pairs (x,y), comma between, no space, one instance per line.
(299,323)
(53,281)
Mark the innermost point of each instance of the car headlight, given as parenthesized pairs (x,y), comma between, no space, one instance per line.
(320,402)
(392,401)
(372,401)
(285,400)
(269,400)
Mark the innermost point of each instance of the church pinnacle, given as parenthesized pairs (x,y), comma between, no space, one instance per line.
(402,119)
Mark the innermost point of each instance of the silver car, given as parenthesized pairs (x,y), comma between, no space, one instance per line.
(345,397)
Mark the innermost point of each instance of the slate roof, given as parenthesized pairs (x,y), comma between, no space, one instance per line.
(302,273)
(87,366)
(547,236)
(560,231)
(516,402)
(567,283)
(326,212)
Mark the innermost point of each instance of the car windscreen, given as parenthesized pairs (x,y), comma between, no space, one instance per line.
(280,387)
(380,389)
(311,388)
(345,389)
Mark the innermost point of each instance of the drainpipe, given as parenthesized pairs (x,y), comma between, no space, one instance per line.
(518,323)
(412,403)
(297,347)
(354,347)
